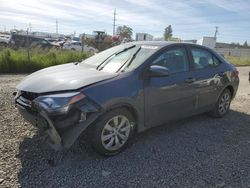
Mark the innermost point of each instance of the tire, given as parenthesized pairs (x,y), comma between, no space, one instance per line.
(108,136)
(222,105)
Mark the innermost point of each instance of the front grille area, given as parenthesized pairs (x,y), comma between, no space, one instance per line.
(25,100)
(28,95)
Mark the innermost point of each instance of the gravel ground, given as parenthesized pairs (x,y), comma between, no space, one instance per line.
(195,152)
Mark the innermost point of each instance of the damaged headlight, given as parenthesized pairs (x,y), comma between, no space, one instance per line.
(58,103)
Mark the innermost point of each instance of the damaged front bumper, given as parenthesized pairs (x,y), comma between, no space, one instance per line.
(61,130)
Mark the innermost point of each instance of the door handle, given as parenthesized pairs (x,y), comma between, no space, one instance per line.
(190,80)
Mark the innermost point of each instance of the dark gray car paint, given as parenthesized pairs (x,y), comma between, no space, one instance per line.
(153,101)
(165,96)
(63,77)
(161,99)
(126,90)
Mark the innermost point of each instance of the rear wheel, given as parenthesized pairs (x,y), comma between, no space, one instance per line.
(223,104)
(112,133)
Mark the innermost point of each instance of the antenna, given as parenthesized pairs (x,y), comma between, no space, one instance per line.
(114,22)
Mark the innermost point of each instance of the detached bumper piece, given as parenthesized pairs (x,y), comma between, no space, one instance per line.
(62,130)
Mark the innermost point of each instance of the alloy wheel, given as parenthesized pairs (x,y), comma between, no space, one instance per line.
(224,103)
(115,133)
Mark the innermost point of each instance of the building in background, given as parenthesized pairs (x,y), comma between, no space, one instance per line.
(190,41)
(143,37)
(207,41)
(175,39)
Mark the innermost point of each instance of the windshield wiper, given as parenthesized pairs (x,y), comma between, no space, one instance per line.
(131,60)
(105,62)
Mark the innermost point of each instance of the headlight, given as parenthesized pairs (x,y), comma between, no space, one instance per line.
(58,103)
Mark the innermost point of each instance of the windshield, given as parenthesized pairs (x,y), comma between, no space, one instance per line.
(121,58)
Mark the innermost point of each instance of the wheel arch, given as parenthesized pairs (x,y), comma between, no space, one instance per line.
(231,89)
(128,107)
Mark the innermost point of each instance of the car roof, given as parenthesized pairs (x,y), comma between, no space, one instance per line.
(160,43)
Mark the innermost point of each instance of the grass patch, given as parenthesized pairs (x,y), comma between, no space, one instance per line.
(18,61)
(238,61)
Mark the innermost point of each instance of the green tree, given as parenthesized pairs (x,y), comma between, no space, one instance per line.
(168,33)
(124,31)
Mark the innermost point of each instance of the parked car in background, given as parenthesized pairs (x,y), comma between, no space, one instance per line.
(4,39)
(124,90)
(57,43)
(21,40)
(75,45)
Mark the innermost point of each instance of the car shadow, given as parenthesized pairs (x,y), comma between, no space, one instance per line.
(175,152)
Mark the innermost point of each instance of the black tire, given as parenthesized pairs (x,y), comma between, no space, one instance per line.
(217,112)
(97,132)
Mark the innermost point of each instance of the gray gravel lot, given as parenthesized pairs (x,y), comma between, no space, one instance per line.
(195,152)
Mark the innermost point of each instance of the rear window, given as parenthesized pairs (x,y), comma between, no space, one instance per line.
(203,59)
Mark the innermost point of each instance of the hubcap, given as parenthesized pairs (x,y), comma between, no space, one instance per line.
(224,103)
(115,133)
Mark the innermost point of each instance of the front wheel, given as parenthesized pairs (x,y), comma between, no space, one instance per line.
(223,104)
(112,133)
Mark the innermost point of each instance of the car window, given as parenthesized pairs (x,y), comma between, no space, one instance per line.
(116,61)
(125,57)
(216,61)
(76,43)
(43,42)
(174,59)
(203,59)
(144,53)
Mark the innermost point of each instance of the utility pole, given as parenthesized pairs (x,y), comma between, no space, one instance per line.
(56,26)
(114,22)
(30,27)
(27,44)
(216,32)
(14,27)
(82,41)
(4,28)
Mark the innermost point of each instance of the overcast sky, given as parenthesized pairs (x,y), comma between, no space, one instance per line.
(190,19)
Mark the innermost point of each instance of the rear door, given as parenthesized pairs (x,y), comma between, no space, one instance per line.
(170,97)
(208,74)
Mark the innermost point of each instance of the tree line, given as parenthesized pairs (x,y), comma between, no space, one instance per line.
(127,32)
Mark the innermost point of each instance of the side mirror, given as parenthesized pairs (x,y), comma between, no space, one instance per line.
(158,71)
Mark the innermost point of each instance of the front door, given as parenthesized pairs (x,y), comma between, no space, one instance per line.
(173,96)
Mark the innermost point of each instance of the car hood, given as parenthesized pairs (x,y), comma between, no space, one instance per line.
(63,77)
